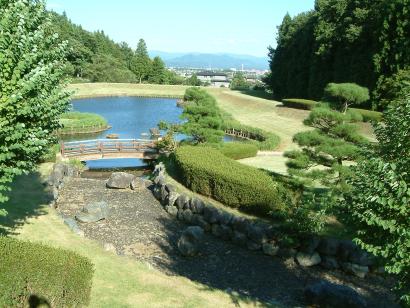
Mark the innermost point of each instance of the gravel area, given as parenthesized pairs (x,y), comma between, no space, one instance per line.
(139,227)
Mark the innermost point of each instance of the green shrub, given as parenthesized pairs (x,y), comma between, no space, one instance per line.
(369,115)
(61,277)
(207,171)
(299,103)
(239,150)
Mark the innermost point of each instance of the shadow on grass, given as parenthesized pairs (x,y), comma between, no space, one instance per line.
(26,200)
(258,93)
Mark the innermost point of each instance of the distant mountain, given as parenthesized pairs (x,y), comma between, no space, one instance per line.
(215,61)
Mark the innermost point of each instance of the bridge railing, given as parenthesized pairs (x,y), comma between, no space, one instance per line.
(76,148)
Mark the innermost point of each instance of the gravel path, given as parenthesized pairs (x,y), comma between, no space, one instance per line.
(139,227)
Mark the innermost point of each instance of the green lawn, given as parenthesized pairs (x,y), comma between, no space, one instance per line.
(118,280)
(81,122)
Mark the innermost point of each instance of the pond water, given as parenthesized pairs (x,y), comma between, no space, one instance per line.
(130,118)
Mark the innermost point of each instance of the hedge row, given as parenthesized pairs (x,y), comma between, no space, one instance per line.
(239,150)
(207,171)
(369,115)
(299,103)
(265,141)
(60,277)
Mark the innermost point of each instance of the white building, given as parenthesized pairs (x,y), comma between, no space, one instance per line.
(215,79)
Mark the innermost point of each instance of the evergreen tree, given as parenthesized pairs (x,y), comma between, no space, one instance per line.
(141,65)
(239,82)
(346,94)
(193,81)
(32,95)
(378,204)
(157,74)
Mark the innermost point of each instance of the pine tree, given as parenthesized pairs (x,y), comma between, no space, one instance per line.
(32,95)
(157,74)
(141,65)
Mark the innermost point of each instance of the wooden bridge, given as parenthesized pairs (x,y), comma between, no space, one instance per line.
(109,149)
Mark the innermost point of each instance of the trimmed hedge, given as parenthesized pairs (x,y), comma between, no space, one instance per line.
(207,171)
(369,115)
(299,103)
(239,150)
(62,278)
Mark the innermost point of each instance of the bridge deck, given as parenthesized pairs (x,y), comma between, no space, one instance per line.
(105,149)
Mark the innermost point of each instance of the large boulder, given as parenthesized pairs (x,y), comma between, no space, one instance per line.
(138,184)
(329,246)
(211,214)
(307,260)
(120,180)
(198,220)
(182,202)
(93,212)
(189,243)
(172,198)
(196,206)
(325,294)
(256,234)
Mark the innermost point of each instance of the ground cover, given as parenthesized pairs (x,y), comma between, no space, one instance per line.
(82,122)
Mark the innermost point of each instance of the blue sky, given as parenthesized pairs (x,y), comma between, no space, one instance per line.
(234,26)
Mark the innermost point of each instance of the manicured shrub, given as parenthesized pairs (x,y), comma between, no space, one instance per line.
(207,171)
(299,103)
(369,115)
(239,150)
(61,277)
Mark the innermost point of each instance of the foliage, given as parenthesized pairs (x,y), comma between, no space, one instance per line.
(141,63)
(368,115)
(203,118)
(239,82)
(158,72)
(105,68)
(32,95)
(193,81)
(238,150)
(299,103)
(346,94)
(378,202)
(339,41)
(63,278)
(206,171)
(80,120)
(391,88)
(326,149)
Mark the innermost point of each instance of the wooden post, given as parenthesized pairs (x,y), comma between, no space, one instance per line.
(62,148)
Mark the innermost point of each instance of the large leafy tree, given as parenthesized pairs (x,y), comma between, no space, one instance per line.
(378,204)
(141,65)
(32,94)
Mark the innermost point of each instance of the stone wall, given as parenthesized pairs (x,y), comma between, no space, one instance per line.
(329,253)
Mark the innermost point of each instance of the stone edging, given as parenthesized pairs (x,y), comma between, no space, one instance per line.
(329,253)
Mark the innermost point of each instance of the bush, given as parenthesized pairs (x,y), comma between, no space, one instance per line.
(239,150)
(369,115)
(206,171)
(299,103)
(61,277)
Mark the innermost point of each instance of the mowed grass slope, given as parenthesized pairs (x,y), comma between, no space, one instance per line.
(118,281)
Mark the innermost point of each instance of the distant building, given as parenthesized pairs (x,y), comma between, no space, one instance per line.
(215,79)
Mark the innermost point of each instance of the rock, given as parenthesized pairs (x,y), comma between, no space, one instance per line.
(355,269)
(196,206)
(211,214)
(72,224)
(310,245)
(110,247)
(161,180)
(240,224)
(222,231)
(172,210)
(181,201)
(329,263)
(120,180)
(179,215)
(93,212)
(55,193)
(225,218)
(198,220)
(164,194)
(253,246)
(270,249)
(159,168)
(325,294)
(361,257)
(172,198)
(170,188)
(239,238)
(287,252)
(138,184)
(346,247)
(308,260)
(328,246)
(190,241)
(157,192)
(187,216)
(256,234)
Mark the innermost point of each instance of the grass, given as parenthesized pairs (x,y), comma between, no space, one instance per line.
(118,280)
(82,122)
(86,90)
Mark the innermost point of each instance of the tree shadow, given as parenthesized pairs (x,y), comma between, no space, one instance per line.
(258,93)
(27,198)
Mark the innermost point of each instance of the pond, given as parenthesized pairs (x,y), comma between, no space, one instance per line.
(130,118)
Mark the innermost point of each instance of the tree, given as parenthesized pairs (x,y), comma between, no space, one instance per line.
(141,65)
(32,95)
(157,74)
(203,119)
(193,81)
(326,149)
(239,82)
(378,204)
(346,94)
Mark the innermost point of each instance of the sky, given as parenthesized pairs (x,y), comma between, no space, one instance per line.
(208,26)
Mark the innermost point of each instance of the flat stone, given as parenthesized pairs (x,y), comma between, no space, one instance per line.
(308,260)
(93,212)
(120,180)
